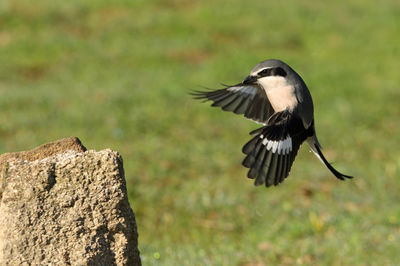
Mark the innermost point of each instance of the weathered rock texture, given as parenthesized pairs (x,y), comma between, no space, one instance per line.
(67,209)
(45,150)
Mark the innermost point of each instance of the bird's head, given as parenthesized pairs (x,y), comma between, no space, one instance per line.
(268,74)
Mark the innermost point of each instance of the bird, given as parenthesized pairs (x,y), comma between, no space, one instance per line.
(274,95)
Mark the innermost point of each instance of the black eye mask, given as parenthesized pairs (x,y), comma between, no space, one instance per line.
(276,71)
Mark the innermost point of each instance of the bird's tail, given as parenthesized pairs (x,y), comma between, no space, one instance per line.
(316,149)
(313,142)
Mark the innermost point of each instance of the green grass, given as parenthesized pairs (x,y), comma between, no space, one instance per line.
(117,75)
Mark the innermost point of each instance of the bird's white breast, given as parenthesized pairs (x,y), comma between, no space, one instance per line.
(280,94)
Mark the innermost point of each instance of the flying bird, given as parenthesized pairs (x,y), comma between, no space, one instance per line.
(275,96)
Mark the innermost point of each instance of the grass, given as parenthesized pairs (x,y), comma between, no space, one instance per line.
(117,75)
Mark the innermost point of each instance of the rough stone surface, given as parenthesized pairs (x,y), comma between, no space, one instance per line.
(45,150)
(67,209)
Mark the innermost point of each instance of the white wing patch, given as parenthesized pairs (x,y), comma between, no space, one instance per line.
(280,146)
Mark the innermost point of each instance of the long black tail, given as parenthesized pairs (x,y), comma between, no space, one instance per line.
(330,167)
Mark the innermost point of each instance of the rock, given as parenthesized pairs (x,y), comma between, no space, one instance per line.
(45,150)
(67,209)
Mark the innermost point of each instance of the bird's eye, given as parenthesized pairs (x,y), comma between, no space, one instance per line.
(276,71)
(265,72)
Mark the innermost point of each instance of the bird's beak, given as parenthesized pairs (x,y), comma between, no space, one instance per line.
(249,80)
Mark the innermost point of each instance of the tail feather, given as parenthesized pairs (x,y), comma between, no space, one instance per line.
(316,148)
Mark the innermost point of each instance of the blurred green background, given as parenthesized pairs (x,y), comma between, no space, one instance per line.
(116,74)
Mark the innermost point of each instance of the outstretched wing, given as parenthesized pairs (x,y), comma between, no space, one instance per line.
(249,100)
(271,152)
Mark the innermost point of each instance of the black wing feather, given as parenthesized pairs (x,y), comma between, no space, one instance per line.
(272,165)
(249,100)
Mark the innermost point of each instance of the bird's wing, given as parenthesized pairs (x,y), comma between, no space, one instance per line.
(273,148)
(249,100)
